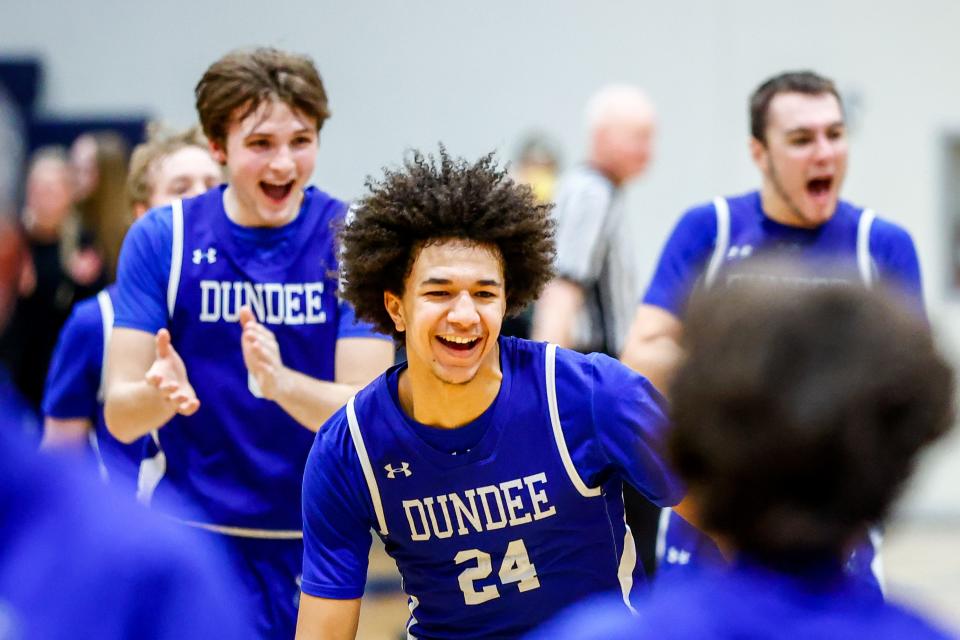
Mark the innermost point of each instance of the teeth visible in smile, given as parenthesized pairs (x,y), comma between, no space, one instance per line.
(458,339)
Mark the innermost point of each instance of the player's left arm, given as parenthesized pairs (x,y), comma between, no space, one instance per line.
(897,264)
(631,426)
(70,392)
(629,421)
(308,400)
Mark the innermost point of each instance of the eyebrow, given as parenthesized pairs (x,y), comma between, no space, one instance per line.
(444,281)
(802,129)
(269,134)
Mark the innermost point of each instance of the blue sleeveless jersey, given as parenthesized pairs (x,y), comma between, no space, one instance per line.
(497,538)
(75,387)
(731,239)
(240,457)
(716,243)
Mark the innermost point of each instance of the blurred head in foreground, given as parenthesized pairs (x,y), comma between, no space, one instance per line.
(800,411)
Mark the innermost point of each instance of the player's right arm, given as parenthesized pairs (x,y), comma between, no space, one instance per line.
(327,619)
(146,380)
(147,384)
(337,517)
(653,345)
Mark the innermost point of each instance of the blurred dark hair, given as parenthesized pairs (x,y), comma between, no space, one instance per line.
(806,82)
(799,413)
(431,200)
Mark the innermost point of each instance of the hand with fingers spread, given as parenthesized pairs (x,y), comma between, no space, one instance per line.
(169,376)
(261,354)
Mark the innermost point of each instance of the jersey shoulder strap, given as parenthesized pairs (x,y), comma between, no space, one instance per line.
(722,211)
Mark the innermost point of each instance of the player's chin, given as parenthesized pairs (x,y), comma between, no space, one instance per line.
(819,212)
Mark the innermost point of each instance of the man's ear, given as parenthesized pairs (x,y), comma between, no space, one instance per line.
(758,152)
(218,152)
(394,306)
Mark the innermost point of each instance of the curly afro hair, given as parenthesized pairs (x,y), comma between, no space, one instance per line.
(430,200)
(799,413)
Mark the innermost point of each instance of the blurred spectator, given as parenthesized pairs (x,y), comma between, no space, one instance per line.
(11,160)
(589,306)
(99,162)
(63,268)
(535,165)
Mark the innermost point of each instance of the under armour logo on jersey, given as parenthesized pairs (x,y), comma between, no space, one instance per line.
(739,252)
(677,556)
(404,468)
(210,255)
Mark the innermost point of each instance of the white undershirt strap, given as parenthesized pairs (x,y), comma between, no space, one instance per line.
(722,242)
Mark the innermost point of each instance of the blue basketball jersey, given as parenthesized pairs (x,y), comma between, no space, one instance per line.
(747,601)
(494,538)
(731,239)
(240,457)
(717,243)
(75,386)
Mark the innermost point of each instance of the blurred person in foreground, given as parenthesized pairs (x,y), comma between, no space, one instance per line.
(589,306)
(120,572)
(167,166)
(799,144)
(799,414)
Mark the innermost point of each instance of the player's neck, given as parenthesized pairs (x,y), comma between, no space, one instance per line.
(778,208)
(436,403)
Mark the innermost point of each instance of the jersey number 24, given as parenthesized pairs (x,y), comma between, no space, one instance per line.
(516,567)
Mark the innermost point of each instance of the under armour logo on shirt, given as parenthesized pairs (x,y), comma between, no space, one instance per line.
(404,468)
(739,252)
(210,255)
(677,556)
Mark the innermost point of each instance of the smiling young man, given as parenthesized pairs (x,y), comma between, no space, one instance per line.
(799,144)
(491,467)
(209,288)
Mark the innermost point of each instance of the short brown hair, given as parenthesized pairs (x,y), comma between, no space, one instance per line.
(160,143)
(245,79)
(806,82)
